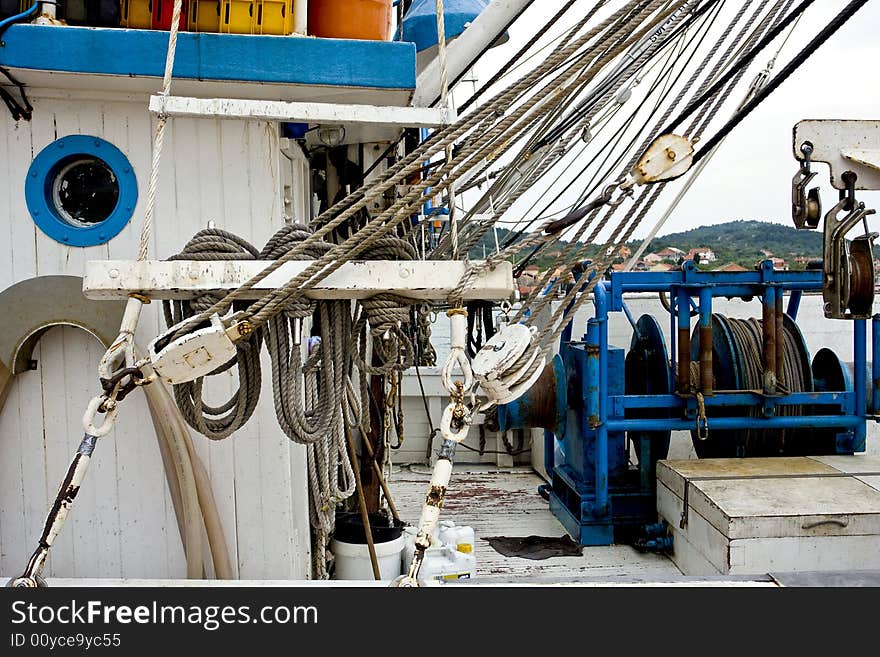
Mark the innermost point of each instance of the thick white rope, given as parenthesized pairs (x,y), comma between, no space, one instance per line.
(149,212)
(122,352)
(445,101)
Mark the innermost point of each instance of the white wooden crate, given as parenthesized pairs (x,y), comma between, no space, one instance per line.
(756,516)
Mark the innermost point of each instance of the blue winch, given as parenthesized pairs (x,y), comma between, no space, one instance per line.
(742,387)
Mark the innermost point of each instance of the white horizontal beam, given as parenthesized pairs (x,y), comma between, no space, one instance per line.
(293,112)
(182,279)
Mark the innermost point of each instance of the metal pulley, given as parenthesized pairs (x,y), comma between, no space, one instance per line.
(668,157)
(199,353)
(849,279)
(509,364)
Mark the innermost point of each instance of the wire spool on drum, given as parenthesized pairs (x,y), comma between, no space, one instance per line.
(350,19)
(648,373)
(737,365)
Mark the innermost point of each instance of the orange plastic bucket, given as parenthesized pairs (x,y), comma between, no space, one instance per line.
(350,19)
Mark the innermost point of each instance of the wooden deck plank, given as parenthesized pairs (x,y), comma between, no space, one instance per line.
(506,503)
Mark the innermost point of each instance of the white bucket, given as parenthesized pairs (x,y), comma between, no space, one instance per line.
(353,559)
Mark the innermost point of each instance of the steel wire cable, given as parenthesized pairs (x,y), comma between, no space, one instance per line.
(597,178)
(572,304)
(677,30)
(389,219)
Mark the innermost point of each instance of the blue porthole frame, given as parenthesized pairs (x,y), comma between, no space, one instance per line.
(41,177)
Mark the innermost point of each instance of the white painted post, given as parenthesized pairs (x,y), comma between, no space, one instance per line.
(301,17)
(485,29)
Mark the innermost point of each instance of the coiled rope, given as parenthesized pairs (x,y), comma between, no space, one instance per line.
(220,421)
(313,386)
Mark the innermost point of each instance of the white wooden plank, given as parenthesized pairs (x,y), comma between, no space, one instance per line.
(141,135)
(855,464)
(115,279)
(60,445)
(15,156)
(297,112)
(20,431)
(148,529)
(506,503)
(75,86)
(673,473)
(38,440)
(704,551)
(804,554)
(235,192)
(22,474)
(790,506)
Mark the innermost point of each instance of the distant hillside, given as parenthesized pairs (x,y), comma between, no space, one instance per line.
(743,241)
(735,241)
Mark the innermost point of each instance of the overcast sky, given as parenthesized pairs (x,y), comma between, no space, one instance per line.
(750,177)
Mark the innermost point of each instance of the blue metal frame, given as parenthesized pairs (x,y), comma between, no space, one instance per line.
(38,190)
(592,492)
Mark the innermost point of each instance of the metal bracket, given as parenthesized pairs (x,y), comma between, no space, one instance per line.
(844,146)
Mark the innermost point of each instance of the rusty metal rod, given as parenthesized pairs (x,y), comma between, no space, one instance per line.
(362,504)
(684,342)
(768,326)
(780,340)
(706,376)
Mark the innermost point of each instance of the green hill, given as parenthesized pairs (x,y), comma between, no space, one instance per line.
(736,241)
(743,241)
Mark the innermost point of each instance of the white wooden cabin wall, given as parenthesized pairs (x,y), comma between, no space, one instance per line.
(123,522)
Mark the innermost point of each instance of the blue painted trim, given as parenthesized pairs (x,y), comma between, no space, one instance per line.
(206,56)
(420,22)
(38,193)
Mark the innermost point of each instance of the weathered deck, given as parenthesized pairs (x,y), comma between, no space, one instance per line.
(506,503)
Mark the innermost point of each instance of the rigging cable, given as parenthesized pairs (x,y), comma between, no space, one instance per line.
(832,27)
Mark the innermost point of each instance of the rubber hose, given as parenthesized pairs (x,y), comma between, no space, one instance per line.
(160,405)
(213,529)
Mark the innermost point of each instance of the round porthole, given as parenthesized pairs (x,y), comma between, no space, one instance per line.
(81,190)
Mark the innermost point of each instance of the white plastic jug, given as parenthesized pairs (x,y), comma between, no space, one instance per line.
(451,556)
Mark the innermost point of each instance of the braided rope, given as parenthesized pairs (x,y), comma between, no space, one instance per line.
(221,421)
(598,101)
(159,141)
(474,152)
(571,304)
(445,101)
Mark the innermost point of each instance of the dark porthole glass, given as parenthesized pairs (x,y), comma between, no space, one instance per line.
(85,191)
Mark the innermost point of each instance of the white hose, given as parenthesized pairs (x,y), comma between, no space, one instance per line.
(190,486)
(161,405)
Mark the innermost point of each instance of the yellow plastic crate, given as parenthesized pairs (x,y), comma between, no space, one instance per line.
(237,16)
(137,14)
(274,17)
(204,16)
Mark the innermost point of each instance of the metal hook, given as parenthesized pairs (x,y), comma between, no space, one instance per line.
(806,207)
